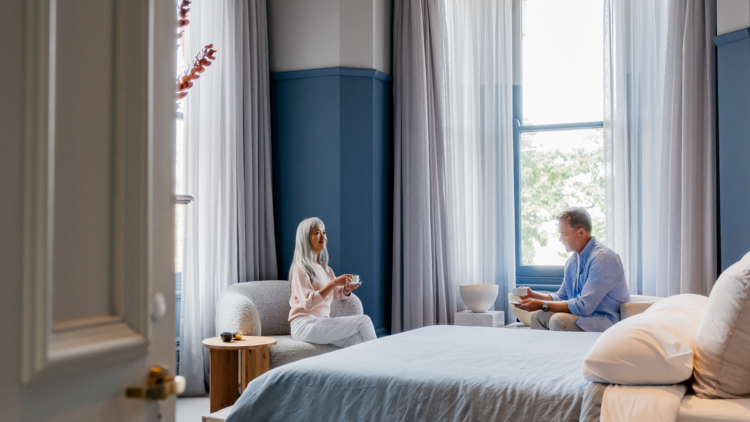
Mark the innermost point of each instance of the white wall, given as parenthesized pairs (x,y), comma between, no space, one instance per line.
(356,22)
(303,34)
(382,31)
(732,15)
(315,34)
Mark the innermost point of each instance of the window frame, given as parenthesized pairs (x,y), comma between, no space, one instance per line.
(538,277)
(180,201)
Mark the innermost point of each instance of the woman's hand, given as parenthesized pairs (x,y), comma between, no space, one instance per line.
(342,280)
(352,287)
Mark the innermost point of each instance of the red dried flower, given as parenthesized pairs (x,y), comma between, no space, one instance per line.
(202,60)
(183,9)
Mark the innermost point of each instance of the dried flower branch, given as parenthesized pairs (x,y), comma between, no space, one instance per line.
(182,16)
(201,62)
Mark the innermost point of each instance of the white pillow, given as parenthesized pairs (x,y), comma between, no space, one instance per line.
(655,347)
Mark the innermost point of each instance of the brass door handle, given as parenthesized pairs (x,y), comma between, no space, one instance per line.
(160,385)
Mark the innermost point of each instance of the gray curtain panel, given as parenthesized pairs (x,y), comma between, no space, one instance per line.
(687,253)
(256,241)
(422,294)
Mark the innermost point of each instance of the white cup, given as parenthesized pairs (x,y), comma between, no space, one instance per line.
(520,291)
(355,279)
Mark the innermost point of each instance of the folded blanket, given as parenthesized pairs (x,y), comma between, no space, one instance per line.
(631,403)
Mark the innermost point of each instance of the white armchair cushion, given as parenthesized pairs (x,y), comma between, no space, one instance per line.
(655,347)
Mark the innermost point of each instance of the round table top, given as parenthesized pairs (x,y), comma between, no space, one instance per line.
(246,342)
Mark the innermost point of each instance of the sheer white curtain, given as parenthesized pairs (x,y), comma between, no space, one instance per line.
(211,261)
(479,145)
(660,140)
(453,199)
(635,44)
(230,229)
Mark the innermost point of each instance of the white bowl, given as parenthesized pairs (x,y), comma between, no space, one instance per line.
(478,297)
(523,316)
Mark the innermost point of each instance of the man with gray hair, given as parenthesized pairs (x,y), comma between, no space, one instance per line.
(593,285)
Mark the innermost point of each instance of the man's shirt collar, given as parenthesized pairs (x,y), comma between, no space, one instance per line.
(586,252)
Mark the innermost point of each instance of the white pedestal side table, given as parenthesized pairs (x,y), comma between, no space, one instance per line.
(485,319)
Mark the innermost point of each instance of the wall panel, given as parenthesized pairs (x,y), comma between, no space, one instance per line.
(733,73)
(332,159)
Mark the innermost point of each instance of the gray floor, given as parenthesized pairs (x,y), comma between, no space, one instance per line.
(192,409)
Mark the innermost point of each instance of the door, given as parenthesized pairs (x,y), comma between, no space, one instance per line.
(87,208)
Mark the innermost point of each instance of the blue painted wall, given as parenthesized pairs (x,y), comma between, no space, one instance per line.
(332,159)
(733,66)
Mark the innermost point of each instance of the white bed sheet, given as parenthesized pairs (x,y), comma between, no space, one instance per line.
(693,409)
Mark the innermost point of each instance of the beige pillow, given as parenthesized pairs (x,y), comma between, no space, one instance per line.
(655,347)
(645,349)
(722,348)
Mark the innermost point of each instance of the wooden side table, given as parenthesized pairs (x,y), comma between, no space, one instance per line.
(253,362)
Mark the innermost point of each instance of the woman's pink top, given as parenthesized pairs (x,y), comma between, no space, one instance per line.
(306,300)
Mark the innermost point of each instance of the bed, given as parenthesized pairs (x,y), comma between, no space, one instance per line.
(444,373)
(448,373)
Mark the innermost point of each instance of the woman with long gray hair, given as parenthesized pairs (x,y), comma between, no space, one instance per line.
(314,286)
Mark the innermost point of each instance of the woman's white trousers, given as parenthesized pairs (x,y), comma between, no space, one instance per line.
(342,331)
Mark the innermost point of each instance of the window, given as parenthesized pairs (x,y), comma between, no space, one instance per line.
(558,136)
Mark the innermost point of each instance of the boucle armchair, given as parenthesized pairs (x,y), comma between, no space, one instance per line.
(262,308)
